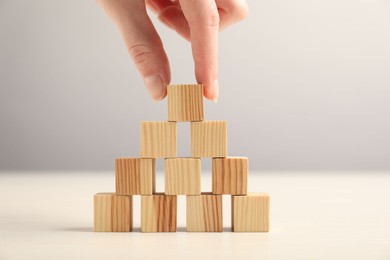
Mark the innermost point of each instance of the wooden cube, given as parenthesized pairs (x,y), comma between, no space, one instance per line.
(230,175)
(208,139)
(182,176)
(250,213)
(135,176)
(204,213)
(112,213)
(185,103)
(158,213)
(158,139)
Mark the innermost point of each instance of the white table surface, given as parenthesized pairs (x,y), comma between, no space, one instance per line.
(313,216)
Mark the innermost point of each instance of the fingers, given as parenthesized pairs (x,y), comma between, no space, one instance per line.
(173,17)
(195,20)
(170,14)
(203,20)
(143,43)
(231,11)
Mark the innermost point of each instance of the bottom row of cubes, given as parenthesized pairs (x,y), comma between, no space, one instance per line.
(113,213)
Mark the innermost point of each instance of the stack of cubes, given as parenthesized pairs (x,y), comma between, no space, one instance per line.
(136,176)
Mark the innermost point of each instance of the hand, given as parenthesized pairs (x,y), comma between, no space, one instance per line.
(196,20)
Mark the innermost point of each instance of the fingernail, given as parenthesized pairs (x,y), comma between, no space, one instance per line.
(155,86)
(216,91)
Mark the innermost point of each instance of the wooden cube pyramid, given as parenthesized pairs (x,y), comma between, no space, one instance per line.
(204,213)
(185,103)
(112,213)
(158,213)
(230,175)
(136,176)
(208,139)
(182,176)
(158,139)
(250,213)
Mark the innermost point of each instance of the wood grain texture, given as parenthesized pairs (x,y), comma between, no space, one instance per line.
(230,175)
(185,103)
(158,213)
(182,176)
(250,213)
(158,139)
(208,139)
(112,213)
(204,213)
(135,176)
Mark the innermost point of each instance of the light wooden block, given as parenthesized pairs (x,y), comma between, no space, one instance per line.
(112,213)
(250,213)
(185,103)
(208,139)
(230,175)
(182,176)
(158,139)
(158,213)
(134,176)
(204,213)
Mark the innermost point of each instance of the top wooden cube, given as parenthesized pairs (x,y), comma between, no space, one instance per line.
(185,103)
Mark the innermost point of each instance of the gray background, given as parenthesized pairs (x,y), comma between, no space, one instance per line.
(305,85)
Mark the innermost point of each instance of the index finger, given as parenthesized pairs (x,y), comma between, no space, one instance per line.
(203,19)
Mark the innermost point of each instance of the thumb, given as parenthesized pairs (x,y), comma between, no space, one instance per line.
(142,42)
